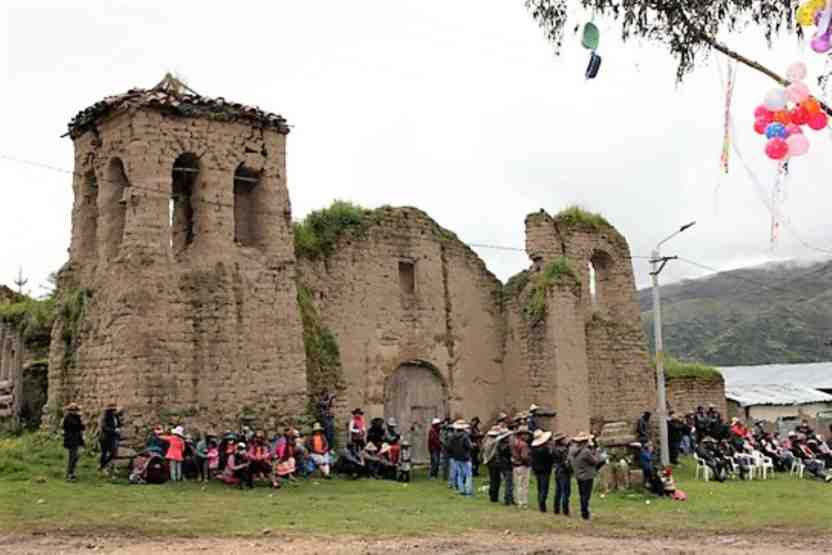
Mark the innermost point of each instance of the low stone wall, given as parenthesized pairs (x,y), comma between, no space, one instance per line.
(685,394)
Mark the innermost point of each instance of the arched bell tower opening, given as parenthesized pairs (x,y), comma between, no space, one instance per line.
(183,201)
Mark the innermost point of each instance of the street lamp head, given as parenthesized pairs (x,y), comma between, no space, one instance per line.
(686,226)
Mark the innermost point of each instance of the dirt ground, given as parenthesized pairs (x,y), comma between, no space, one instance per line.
(503,543)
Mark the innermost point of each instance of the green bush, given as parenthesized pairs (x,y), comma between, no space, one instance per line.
(674,368)
(36,316)
(318,233)
(556,272)
(576,215)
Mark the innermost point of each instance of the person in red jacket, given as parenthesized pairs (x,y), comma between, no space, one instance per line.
(260,459)
(176,452)
(434,447)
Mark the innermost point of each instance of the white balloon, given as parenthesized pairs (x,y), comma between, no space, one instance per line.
(776,99)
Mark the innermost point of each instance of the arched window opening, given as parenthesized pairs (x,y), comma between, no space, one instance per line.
(88,215)
(182,202)
(113,208)
(593,286)
(248,216)
(600,266)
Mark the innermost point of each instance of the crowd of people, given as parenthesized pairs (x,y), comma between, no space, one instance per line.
(512,450)
(733,449)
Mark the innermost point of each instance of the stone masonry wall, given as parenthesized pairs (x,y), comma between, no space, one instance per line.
(451,321)
(685,394)
(183,323)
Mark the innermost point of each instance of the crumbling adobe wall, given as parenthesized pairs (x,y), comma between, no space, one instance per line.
(607,366)
(684,394)
(451,321)
(195,323)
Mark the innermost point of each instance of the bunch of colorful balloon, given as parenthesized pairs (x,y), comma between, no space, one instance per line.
(818,13)
(783,114)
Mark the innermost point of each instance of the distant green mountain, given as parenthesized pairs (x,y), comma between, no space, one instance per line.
(776,313)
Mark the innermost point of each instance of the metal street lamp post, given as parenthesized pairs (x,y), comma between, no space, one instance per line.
(658,263)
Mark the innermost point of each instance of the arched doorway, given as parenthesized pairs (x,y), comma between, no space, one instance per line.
(415,394)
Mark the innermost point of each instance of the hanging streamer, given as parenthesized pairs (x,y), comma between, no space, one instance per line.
(731,70)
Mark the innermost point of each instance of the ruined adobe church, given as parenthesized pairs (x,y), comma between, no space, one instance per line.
(182,244)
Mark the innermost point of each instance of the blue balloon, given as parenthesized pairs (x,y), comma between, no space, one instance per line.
(776,129)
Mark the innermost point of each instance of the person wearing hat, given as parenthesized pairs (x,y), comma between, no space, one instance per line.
(434,447)
(375,434)
(542,462)
(238,468)
(459,452)
(73,428)
(154,443)
(676,431)
(319,450)
(109,435)
(707,451)
(371,460)
(176,452)
(498,468)
(391,434)
(585,463)
(521,460)
(260,459)
(563,474)
(405,462)
(358,429)
(643,428)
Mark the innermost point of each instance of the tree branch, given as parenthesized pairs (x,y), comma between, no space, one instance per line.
(716,45)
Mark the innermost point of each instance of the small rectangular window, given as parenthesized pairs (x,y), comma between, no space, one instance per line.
(407,278)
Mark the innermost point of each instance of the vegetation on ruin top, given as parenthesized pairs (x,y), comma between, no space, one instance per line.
(674,368)
(318,233)
(556,272)
(36,316)
(37,500)
(576,215)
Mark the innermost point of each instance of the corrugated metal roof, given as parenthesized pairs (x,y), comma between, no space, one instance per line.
(768,394)
(817,375)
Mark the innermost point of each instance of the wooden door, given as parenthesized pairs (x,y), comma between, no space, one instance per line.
(414,395)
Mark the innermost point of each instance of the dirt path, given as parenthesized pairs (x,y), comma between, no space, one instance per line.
(469,543)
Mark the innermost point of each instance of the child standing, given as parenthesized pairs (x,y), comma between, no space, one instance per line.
(404,462)
(213,456)
(201,452)
(176,452)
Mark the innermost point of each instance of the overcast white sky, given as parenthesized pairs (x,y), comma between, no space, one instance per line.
(459,108)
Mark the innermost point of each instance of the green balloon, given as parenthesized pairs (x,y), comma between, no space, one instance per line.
(591,36)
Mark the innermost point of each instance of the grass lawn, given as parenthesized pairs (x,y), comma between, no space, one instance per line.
(34,498)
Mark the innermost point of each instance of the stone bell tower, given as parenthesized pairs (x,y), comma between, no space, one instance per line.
(183,263)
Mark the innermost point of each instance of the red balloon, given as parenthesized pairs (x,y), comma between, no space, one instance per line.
(800,116)
(762,112)
(760,125)
(777,148)
(818,121)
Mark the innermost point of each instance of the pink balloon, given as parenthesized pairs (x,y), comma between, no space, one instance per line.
(797,72)
(777,148)
(818,121)
(797,92)
(792,129)
(798,145)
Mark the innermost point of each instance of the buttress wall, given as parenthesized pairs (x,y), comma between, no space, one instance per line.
(182,245)
(450,319)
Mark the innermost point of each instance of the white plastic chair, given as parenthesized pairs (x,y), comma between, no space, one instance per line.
(702,467)
(797,468)
(763,464)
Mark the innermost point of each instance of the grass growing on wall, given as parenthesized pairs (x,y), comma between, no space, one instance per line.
(36,316)
(318,233)
(556,272)
(323,358)
(674,368)
(579,216)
